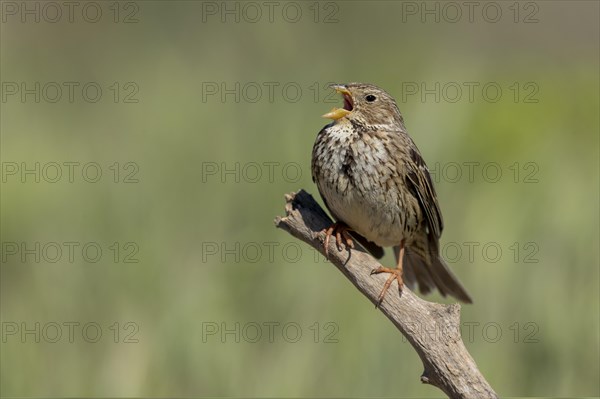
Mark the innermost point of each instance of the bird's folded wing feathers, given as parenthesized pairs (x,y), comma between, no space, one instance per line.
(419,182)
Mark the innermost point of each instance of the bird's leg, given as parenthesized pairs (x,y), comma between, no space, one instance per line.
(396,274)
(342,236)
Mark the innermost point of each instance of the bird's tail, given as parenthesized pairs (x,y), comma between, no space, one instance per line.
(429,276)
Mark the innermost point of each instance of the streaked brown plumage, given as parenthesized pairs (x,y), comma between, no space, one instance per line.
(375,183)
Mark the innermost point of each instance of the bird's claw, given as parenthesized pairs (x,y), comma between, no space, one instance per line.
(342,237)
(395,274)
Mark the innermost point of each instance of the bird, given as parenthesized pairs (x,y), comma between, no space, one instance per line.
(376,185)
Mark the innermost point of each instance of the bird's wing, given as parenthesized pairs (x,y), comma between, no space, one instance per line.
(419,183)
(433,272)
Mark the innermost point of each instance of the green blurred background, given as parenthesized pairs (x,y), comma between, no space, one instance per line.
(210,261)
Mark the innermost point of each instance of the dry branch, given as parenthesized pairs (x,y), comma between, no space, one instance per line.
(433,329)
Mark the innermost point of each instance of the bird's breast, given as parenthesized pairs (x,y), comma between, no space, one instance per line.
(361,184)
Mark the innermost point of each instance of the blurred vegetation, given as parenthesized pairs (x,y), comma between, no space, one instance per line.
(178,214)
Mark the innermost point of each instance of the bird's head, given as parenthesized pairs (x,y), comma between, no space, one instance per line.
(365,104)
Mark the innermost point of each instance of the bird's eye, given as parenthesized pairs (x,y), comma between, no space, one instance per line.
(370,98)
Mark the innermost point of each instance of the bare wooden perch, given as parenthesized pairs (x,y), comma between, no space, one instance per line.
(433,329)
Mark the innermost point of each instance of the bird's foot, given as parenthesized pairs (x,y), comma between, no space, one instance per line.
(342,236)
(395,274)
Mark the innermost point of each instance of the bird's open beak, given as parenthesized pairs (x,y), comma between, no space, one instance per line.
(338,113)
